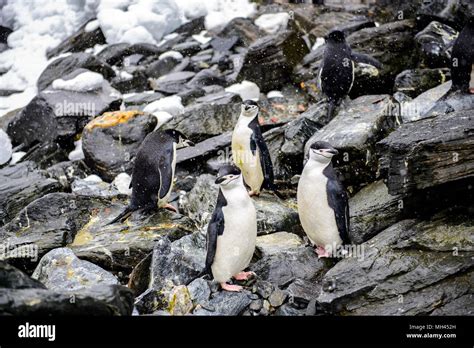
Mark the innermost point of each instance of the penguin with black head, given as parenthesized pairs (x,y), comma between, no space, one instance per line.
(153,172)
(336,75)
(322,201)
(462,60)
(250,152)
(232,230)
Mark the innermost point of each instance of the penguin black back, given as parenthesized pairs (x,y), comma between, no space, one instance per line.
(462,58)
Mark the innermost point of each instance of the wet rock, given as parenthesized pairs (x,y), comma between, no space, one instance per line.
(161,67)
(209,116)
(226,303)
(416,81)
(433,43)
(190,156)
(93,186)
(66,65)
(120,247)
(270,60)
(102,300)
(286,144)
(277,242)
(172,83)
(427,153)
(12,278)
(110,142)
(408,269)
(60,270)
(199,291)
(289,310)
(277,298)
(20,185)
(301,292)
(116,53)
(79,41)
(66,172)
(244,29)
(355,140)
(138,101)
(372,210)
(283,268)
(58,115)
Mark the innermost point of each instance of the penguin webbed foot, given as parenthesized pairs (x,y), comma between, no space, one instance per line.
(244,275)
(254,193)
(170,207)
(231,287)
(321,252)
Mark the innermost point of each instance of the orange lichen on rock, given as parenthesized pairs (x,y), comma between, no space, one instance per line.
(111,119)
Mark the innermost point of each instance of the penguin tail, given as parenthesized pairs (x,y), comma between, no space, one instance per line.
(123,215)
(331,109)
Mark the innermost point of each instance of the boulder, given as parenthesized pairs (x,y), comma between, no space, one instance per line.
(61,270)
(138,101)
(270,60)
(200,152)
(161,67)
(244,29)
(20,185)
(372,210)
(172,83)
(452,13)
(93,186)
(12,278)
(226,303)
(416,81)
(428,153)
(433,43)
(354,132)
(111,141)
(411,268)
(116,53)
(63,66)
(277,242)
(79,41)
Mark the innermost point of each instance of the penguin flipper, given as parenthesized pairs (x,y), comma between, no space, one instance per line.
(363,58)
(257,142)
(337,200)
(214,229)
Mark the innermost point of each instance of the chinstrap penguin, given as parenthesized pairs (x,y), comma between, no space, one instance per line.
(322,201)
(336,75)
(153,172)
(250,152)
(232,230)
(462,60)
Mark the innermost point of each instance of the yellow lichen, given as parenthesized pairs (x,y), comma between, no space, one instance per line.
(111,119)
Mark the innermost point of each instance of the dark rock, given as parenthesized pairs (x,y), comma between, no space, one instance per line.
(283,268)
(429,152)
(188,48)
(12,278)
(199,291)
(138,82)
(203,150)
(172,83)
(4,33)
(103,300)
(110,142)
(140,276)
(356,141)
(226,303)
(61,270)
(63,66)
(270,60)
(193,27)
(301,292)
(20,185)
(453,13)
(289,310)
(206,77)
(453,102)
(372,210)
(416,81)
(341,20)
(244,29)
(411,268)
(209,116)
(138,101)
(161,67)
(116,53)
(79,41)
(66,172)
(433,43)
(58,115)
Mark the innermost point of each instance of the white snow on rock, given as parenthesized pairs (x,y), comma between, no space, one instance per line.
(17,156)
(246,90)
(193,8)
(319,42)
(5,147)
(91,26)
(274,94)
(202,38)
(77,154)
(221,12)
(171,105)
(122,183)
(161,118)
(176,55)
(84,82)
(272,23)
(93,178)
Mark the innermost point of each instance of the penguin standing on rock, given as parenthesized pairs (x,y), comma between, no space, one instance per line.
(153,172)
(322,201)
(337,69)
(232,231)
(250,152)
(462,60)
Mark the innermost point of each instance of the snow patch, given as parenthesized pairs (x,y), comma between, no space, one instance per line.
(77,154)
(319,42)
(162,117)
(272,23)
(202,38)
(6,148)
(246,90)
(17,156)
(84,82)
(275,94)
(171,105)
(91,26)
(122,183)
(174,54)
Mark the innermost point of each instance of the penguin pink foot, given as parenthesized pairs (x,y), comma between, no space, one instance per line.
(230,287)
(471,90)
(244,275)
(170,207)
(321,252)
(253,194)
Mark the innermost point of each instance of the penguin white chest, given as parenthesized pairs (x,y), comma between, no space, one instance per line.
(236,245)
(248,162)
(317,217)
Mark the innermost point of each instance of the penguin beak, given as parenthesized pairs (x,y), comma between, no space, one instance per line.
(331,151)
(220,180)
